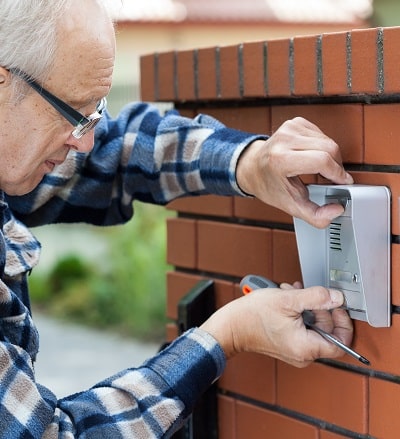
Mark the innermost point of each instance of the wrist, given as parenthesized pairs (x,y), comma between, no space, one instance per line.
(245,167)
(219,327)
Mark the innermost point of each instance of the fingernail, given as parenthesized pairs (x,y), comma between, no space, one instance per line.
(336,296)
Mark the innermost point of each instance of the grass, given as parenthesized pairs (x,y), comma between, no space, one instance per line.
(123,293)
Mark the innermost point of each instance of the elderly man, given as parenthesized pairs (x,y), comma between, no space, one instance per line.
(56,63)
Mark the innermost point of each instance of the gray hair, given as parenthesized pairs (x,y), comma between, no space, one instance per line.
(28,35)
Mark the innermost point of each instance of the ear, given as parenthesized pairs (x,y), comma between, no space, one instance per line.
(4,76)
(5,89)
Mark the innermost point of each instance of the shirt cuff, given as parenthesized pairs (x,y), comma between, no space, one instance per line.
(189,365)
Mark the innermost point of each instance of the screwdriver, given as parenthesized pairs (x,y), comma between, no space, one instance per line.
(253,282)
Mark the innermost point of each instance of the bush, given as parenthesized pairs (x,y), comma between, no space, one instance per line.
(126,292)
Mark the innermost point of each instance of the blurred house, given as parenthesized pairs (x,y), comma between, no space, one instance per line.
(161,25)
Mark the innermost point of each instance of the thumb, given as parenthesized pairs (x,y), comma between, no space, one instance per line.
(319,298)
(320,216)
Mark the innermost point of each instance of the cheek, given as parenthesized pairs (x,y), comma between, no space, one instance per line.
(26,141)
(25,162)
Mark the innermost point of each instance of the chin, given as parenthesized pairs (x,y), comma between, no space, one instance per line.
(20,189)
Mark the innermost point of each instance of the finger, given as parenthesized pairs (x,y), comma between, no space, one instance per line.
(317,298)
(318,216)
(323,319)
(287,286)
(305,134)
(343,325)
(316,160)
(312,138)
(327,349)
(303,126)
(302,207)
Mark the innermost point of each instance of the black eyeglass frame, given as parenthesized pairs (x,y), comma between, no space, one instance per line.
(82,123)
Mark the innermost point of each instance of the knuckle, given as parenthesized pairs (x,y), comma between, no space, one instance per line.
(289,125)
(325,158)
(299,120)
(331,147)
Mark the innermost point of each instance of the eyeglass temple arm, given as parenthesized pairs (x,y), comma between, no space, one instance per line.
(73,116)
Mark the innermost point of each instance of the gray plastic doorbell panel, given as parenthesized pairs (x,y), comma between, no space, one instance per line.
(353,253)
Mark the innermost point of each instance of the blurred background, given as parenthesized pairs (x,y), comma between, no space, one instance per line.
(114,278)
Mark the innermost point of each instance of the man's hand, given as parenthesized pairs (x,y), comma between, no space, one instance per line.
(270,170)
(269,321)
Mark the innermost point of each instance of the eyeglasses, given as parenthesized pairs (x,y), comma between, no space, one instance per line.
(82,123)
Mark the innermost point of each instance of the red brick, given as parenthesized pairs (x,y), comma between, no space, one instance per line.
(391,59)
(395,272)
(364,66)
(325,393)
(229,72)
(185,75)
(224,292)
(334,64)
(237,292)
(171,332)
(305,66)
(329,435)
(185,112)
(207,73)
(250,375)
(377,344)
(254,69)
(250,119)
(278,68)
(226,417)
(384,405)
(257,423)
(234,249)
(285,259)
(392,181)
(382,131)
(147,78)
(181,242)
(166,76)
(343,123)
(178,285)
(252,208)
(204,205)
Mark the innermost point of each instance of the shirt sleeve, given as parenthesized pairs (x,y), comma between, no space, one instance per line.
(150,401)
(140,155)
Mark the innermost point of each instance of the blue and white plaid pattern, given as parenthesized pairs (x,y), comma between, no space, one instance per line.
(140,155)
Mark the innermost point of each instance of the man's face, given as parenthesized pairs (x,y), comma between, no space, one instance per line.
(34,137)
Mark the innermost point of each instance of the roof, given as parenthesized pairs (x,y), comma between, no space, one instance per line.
(290,11)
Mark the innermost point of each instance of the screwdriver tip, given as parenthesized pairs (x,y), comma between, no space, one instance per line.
(364,360)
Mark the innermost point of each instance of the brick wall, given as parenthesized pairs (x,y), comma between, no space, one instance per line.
(348,84)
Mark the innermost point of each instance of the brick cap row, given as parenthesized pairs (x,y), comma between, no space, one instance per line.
(351,63)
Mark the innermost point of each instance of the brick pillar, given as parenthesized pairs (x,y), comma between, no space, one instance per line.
(347,83)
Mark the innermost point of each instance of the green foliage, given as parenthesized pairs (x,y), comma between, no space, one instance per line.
(126,292)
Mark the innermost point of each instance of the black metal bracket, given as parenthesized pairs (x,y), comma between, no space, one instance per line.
(193,309)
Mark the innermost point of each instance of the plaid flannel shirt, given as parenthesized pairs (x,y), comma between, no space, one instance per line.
(139,155)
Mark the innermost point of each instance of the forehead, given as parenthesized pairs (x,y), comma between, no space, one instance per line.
(84,60)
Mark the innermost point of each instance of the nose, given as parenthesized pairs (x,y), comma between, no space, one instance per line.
(84,144)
